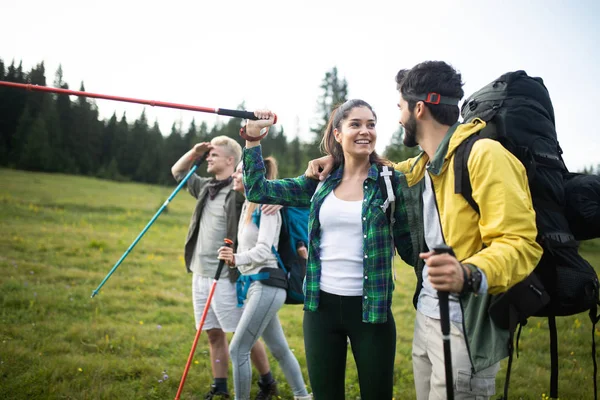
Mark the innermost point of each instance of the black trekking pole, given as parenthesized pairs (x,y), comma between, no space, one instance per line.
(199,161)
(445,322)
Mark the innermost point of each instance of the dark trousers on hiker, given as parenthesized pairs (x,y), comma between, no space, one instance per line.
(326,334)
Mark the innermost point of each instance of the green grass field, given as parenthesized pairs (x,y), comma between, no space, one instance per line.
(59,237)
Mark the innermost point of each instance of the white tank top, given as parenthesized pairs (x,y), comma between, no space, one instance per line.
(341,246)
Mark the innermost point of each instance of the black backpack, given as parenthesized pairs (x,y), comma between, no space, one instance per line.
(583,206)
(519,114)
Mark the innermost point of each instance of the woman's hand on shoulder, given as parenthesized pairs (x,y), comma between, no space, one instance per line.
(319,168)
(270,209)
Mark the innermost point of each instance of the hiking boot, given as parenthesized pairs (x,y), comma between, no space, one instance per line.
(214,394)
(267,392)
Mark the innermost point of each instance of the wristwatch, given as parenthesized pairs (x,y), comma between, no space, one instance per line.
(472,282)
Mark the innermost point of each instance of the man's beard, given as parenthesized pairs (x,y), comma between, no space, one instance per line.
(410,132)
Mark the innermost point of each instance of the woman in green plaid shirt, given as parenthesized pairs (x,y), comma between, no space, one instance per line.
(349,277)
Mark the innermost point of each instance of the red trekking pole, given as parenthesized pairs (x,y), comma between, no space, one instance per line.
(228,243)
(153,103)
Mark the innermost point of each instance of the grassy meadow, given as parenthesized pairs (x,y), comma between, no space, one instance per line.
(59,237)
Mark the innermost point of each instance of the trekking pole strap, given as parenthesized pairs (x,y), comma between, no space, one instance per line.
(553,358)
(512,326)
(508,367)
(594,317)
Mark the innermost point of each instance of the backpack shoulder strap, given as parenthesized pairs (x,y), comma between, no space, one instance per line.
(284,231)
(462,180)
(386,187)
(256,214)
(279,260)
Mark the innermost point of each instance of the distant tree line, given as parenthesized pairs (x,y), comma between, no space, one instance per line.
(52,133)
(591,170)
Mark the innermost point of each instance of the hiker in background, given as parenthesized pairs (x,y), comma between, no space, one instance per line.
(215,217)
(349,278)
(495,248)
(263,284)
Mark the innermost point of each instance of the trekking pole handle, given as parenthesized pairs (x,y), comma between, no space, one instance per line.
(201,159)
(228,243)
(240,114)
(443,296)
(444,249)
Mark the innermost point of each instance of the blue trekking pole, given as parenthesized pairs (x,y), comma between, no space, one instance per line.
(160,210)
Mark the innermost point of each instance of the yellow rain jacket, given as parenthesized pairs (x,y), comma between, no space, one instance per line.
(501,241)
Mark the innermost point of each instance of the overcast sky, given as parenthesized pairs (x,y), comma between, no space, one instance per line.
(275,54)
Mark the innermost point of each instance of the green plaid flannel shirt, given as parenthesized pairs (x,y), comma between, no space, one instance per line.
(378,283)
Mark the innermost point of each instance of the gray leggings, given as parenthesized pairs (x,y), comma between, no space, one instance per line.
(260,319)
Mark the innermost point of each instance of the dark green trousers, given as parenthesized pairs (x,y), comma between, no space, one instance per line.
(326,333)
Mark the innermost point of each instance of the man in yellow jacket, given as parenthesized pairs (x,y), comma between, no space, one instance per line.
(495,248)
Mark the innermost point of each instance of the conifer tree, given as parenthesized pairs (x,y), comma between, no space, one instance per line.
(120,145)
(36,153)
(147,170)
(12,106)
(108,139)
(334,92)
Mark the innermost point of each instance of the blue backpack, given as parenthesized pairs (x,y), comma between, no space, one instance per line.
(293,234)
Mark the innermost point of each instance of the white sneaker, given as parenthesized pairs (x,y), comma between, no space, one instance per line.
(307,397)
